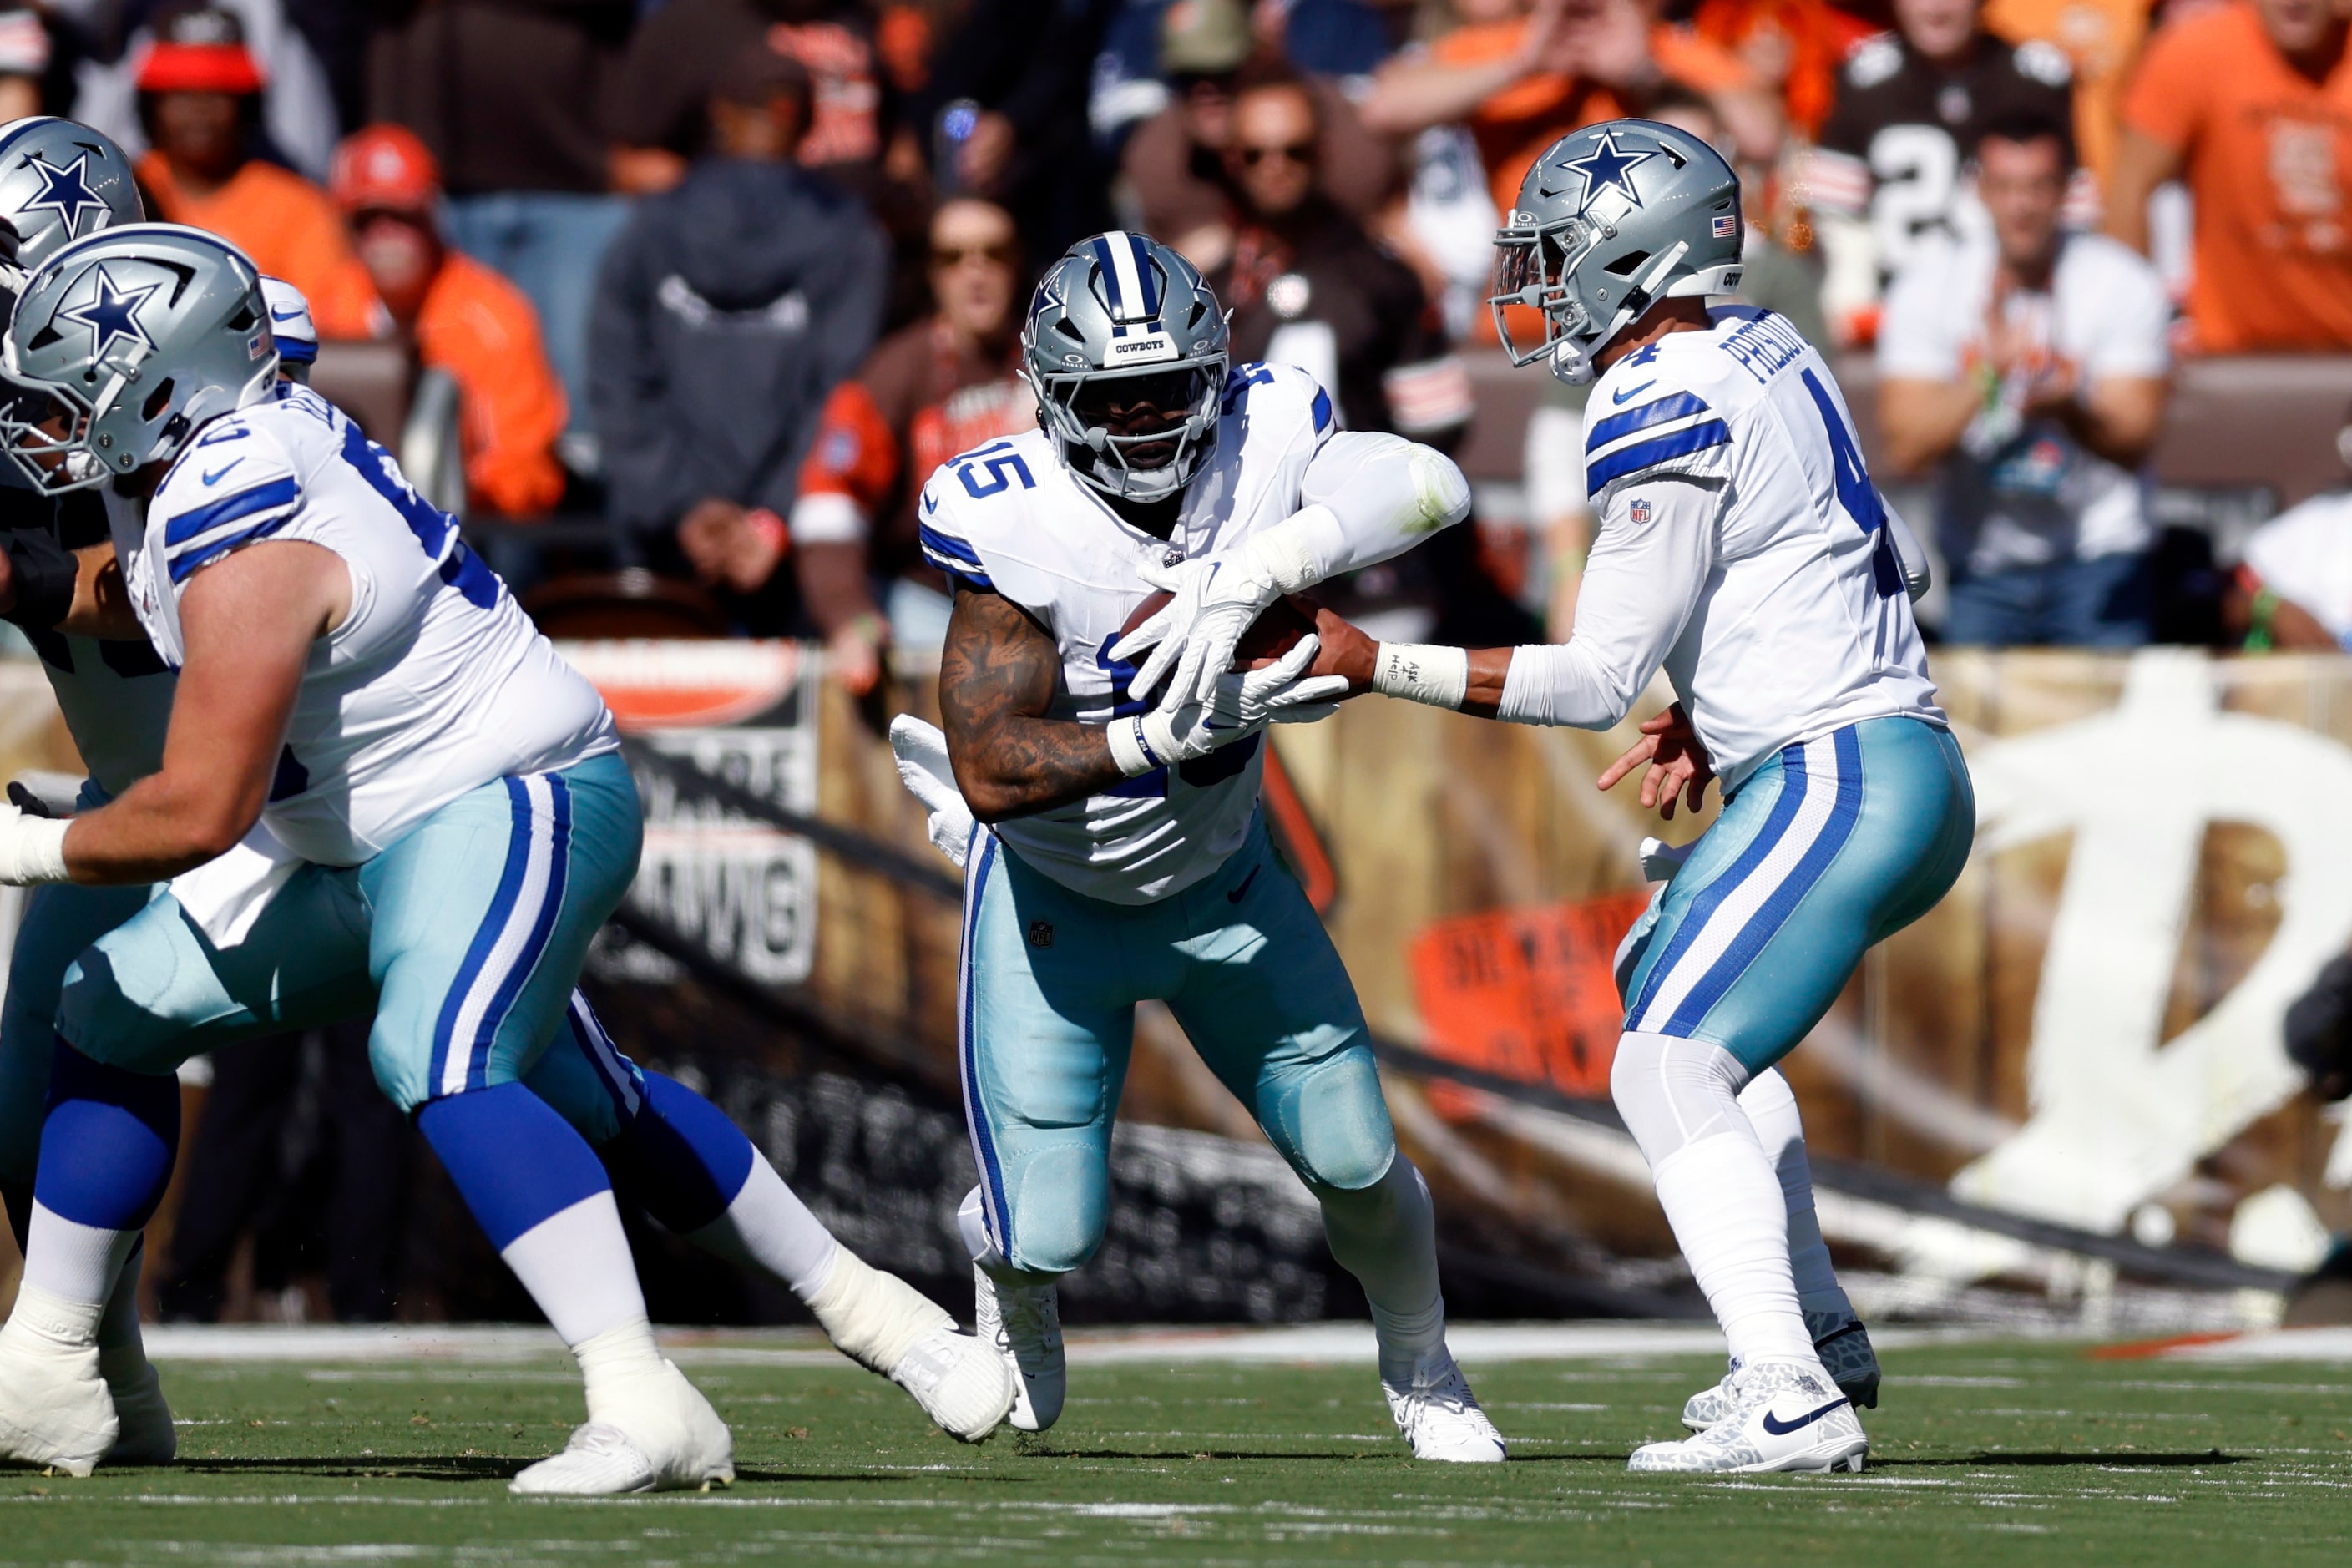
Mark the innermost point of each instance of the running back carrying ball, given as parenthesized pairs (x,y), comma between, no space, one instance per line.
(1274,633)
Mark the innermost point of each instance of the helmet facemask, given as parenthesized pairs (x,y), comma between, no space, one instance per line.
(46,431)
(1078,408)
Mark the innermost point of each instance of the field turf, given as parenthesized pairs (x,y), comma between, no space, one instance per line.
(1983,1453)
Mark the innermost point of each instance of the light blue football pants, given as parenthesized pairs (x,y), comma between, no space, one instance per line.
(465,939)
(1050,981)
(1830,847)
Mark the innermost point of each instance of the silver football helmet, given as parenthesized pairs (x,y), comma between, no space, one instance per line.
(59,181)
(1611,219)
(1121,319)
(123,345)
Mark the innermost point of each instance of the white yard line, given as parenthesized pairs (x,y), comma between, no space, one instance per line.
(1302,1344)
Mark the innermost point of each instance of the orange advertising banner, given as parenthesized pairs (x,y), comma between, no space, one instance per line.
(1526,994)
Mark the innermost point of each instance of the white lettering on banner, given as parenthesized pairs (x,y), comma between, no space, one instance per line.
(745,892)
(2117,1117)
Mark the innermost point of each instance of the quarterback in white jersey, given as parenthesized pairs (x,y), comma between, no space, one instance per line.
(1123,856)
(1743,548)
(444,823)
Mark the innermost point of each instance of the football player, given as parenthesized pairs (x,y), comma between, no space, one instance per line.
(356,802)
(1123,856)
(1743,548)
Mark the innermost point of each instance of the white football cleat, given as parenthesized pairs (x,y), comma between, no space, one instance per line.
(654,1432)
(886,1326)
(1784,1417)
(55,1411)
(1023,1324)
(144,1433)
(1440,1416)
(1843,1345)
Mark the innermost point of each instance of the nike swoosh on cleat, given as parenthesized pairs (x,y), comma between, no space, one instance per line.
(1236,896)
(1621,398)
(1782,1428)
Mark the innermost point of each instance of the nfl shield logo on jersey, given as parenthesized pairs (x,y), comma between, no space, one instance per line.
(1640,512)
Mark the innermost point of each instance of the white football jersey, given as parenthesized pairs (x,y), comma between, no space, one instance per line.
(435,684)
(1009,518)
(1794,621)
(115,696)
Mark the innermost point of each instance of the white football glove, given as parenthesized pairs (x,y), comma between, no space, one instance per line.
(1193,635)
(1239,706)
(921,752)
(32,849)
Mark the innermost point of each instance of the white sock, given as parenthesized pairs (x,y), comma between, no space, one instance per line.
(121,1351)
(71,1261)
(767,1227)
(576,1265)
(1726,1214)
(972,1224)
(1386,1236)
(1772,1108)
(1721,1195)
(615,1359)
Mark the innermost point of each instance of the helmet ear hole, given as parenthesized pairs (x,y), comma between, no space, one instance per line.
(158,400)
(1628,264)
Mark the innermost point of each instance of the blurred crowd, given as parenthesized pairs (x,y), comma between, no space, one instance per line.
(732,276)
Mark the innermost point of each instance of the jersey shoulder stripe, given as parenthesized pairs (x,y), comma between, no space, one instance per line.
(204,533)
(1617,426)
(951,555)
(1632,460)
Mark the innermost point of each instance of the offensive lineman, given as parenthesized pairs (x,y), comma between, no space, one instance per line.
(1744,549)
(1124,856)
(175,980)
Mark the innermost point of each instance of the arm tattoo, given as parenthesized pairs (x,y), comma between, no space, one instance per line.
(997,677)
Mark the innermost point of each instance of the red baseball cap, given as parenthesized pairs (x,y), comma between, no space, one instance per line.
(200,49)
(384,168)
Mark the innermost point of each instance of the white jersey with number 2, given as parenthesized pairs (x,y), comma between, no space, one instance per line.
(435,684)
(1741,546)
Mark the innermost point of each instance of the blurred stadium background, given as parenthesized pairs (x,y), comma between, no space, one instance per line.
(2065,1100)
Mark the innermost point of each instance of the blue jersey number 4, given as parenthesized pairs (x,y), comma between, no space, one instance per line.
(1857,497)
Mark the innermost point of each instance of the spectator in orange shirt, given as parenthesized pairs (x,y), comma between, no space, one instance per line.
(943,385)
(1797,45)
(200,101)
(2253,104)
(1522,76)
(466,320)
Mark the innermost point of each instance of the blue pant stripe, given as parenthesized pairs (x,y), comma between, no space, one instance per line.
(543,927)
(486,936)
(1784,812)
(612,1070)
(983,1145)
(1845,810)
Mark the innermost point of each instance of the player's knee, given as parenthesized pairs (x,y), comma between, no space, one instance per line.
(1336,1125)
(1672,1090)
(391,1058)
(1059,1209)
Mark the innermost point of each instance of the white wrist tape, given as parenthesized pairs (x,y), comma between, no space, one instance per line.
(1135,751)
(1423,672)
(32,849)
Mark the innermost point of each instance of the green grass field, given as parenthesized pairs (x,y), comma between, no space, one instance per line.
(1984,1453)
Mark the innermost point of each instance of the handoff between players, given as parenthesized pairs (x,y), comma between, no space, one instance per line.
(368,787)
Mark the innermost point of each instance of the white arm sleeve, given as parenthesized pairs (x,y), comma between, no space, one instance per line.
(1369,497)
(1639,587)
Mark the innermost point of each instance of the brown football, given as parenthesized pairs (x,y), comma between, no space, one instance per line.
(1274,633)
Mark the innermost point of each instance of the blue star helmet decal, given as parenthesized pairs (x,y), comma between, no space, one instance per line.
(65,192)
(1609,167)
(112,314)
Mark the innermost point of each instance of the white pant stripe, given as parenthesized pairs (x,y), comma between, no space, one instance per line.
(514,936)
(1740,906)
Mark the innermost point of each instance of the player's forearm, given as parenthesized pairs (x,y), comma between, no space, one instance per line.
(1369,497)
(1539,683)
(159,828)
(1019,766)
